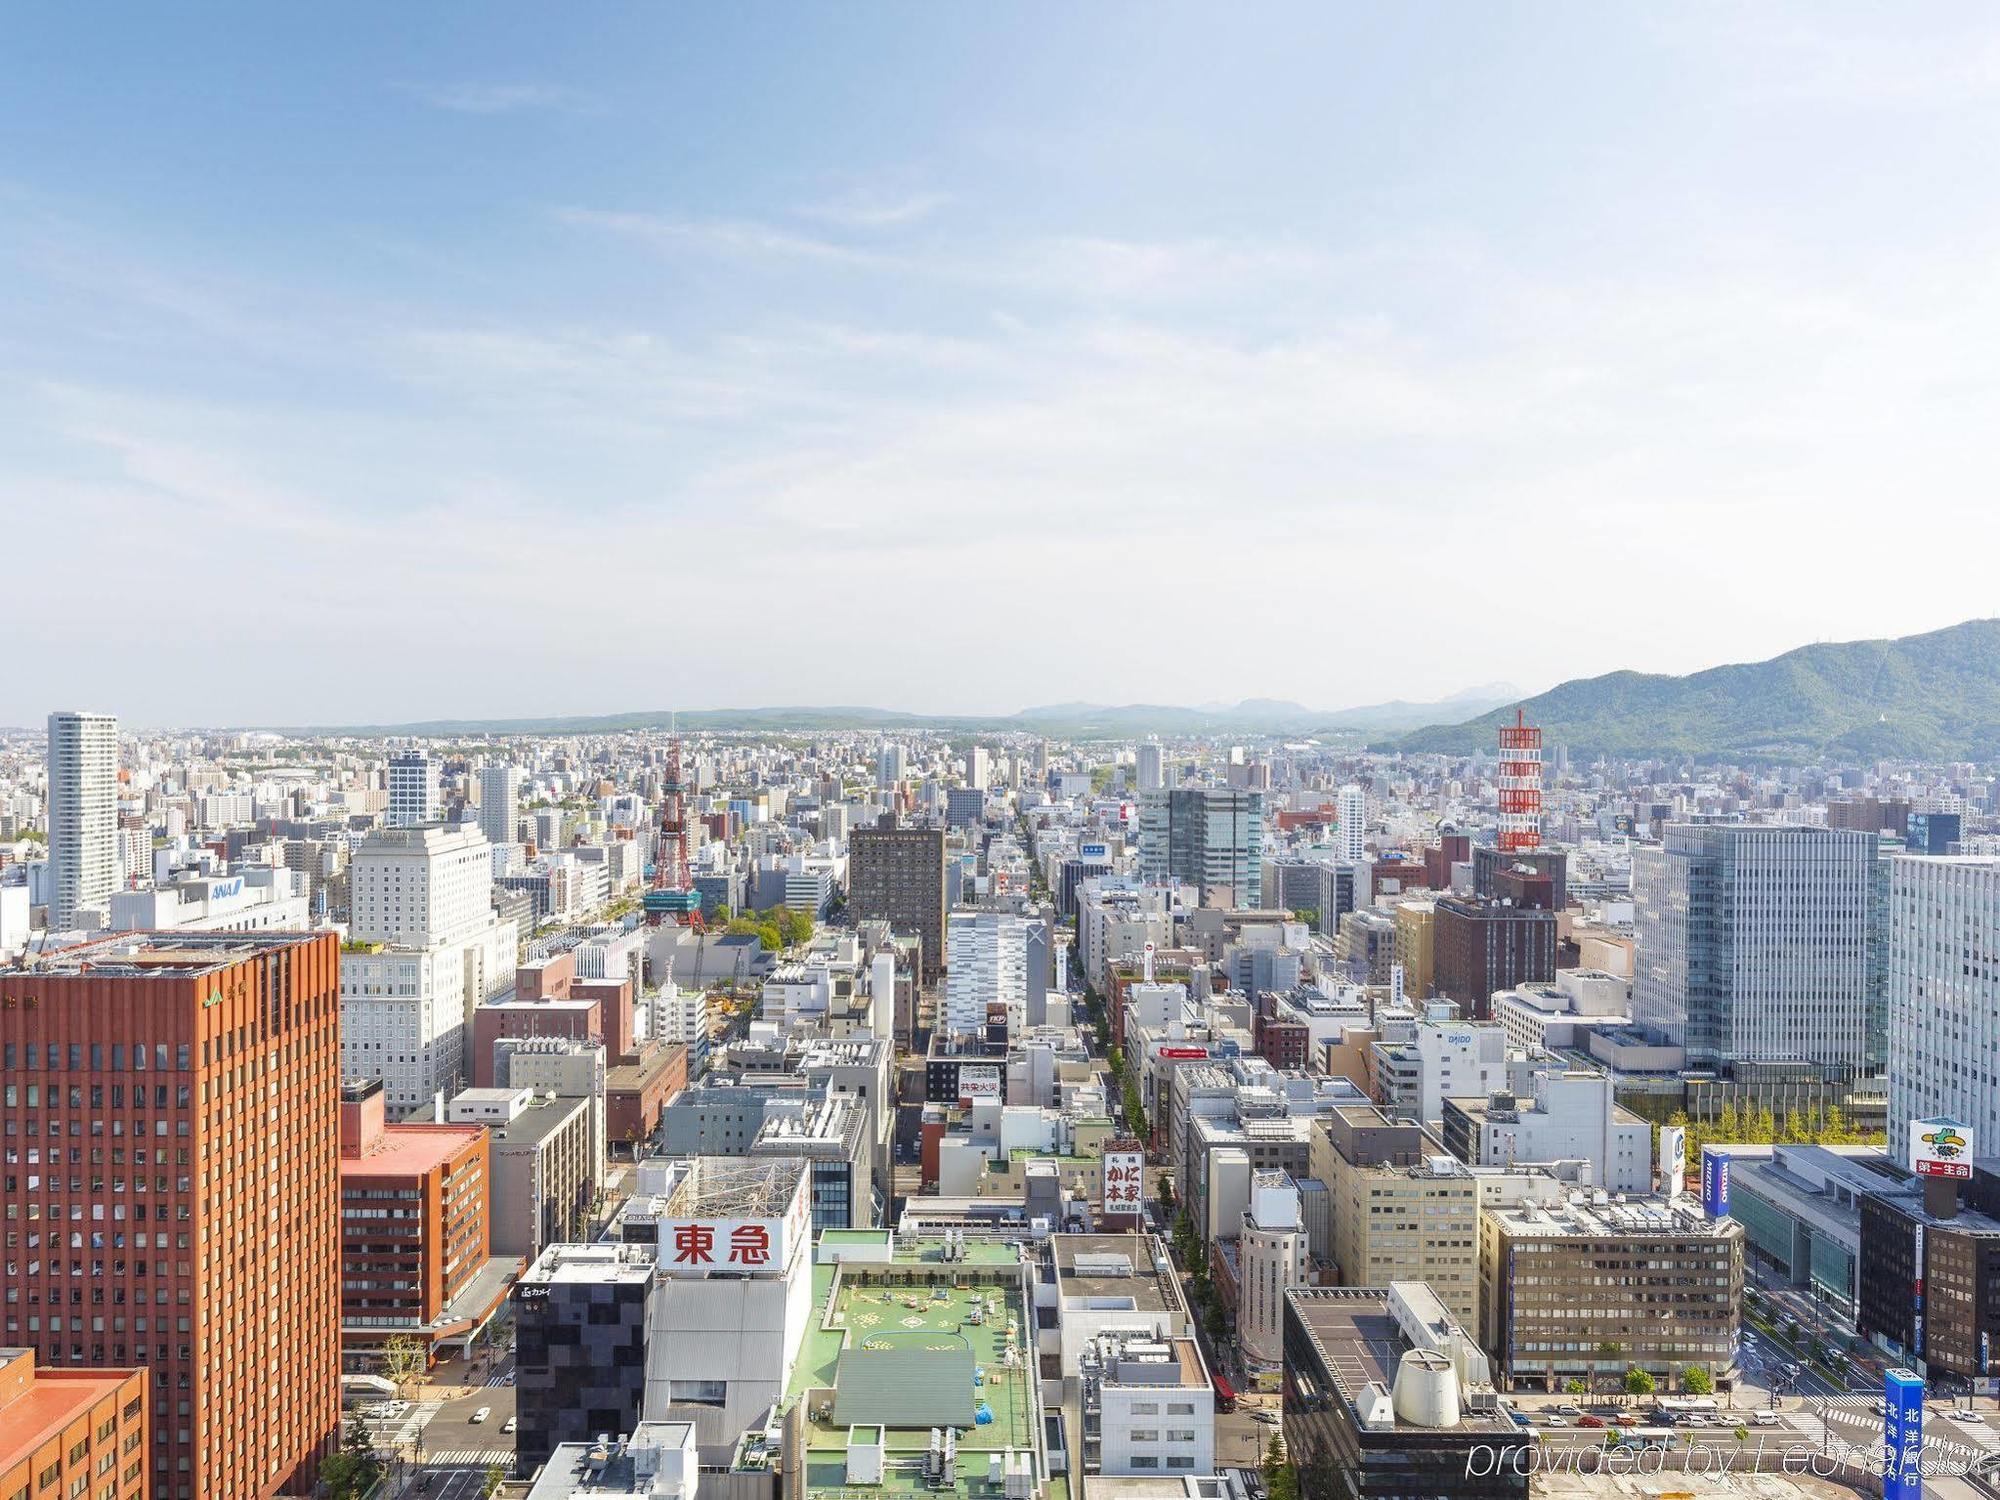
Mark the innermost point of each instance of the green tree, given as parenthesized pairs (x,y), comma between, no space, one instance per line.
(1638,1382)
(495,1477)
(1696,1380)
(353,1470)
(1281,1479)
(1575,1387)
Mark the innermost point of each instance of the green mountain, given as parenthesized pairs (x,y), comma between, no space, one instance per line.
(1923,697)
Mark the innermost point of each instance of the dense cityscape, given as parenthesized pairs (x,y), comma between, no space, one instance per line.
(1027,751)
(824,1113)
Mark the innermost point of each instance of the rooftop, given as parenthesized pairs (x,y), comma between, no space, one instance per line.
(1585,1215)
(409,1150)
(881,1342)
(159,955)
(1113,1266)
(53,1399)
(1359,1342)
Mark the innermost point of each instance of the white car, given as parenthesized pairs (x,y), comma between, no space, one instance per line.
(508,1425)
(1968,1415)
(1764,1419)
(1267,1416)
(482,1414)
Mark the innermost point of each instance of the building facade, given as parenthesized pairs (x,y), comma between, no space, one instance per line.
(83,815)
(895,874)
(1753,946)
(205,1068)
(67,1433)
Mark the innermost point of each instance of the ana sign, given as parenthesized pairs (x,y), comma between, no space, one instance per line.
(1124,1181)
(1184,1054)
(1940,1148)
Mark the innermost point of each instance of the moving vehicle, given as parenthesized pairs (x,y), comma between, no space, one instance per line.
(1967,1415)
(1764,1419)
(508,1425)
(1586,1420)
(481,1415)
(1225,1395)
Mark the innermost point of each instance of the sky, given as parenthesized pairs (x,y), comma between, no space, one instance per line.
(371,363)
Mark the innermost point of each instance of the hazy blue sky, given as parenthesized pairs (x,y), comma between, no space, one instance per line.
(376,362)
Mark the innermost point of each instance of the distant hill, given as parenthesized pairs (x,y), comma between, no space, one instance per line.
(1068,720)
(1926,697)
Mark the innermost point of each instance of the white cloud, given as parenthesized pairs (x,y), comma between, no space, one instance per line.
(488,98)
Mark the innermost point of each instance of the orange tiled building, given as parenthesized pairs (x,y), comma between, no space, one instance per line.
(68,1432)
(170,1191)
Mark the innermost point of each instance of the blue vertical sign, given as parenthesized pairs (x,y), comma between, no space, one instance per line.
(1714,1182)
(1902,1435)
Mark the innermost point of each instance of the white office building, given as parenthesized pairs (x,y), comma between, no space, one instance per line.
(413,790)
(1152,767)
(83,817)
(1567,1115)
(499,803)
(1271,1255)
(262,898)
(1350,836)
(993,958)
(1944,996)
(424,950)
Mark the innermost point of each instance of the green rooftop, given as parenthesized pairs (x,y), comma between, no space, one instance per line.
(899,1310)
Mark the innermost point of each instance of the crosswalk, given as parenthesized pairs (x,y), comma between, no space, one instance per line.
(500,1381)
(1855,1414)
(482,1457)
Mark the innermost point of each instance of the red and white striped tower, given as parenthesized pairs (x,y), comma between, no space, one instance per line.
(1520,785)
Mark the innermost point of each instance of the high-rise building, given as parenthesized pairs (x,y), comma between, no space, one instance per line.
(1211,838)
(994,959)
(1350,834)
(1479,948)
(499,803)
(413,790)
(1943,996)
(83,815)
(1753,946)
(204,1067)
(1152,767)
(895,874)
(892,763)
(427,948)
(978,767)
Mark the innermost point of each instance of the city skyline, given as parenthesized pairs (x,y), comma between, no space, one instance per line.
(892,306)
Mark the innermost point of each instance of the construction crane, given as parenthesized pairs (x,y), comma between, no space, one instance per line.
(673,893)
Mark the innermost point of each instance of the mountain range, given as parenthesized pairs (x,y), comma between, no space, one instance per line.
(1931,697)
(1065,720)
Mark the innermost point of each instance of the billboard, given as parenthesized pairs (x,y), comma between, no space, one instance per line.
(1902,1435)
(1396,985)
(1184,1054)
(1124,1181)
(1714,1182)
(1095,851)
(1941,1148)
(1673,1160)
(759,1246)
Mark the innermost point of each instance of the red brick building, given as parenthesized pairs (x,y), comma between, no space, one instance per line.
(580,1020)
(71,1432)
(416,1227)
(173,1100)
(636,1093)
